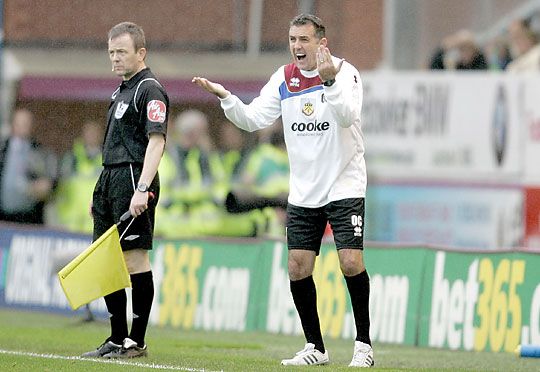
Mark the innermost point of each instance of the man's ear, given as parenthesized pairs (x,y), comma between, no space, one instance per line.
(323,41)
(142,54)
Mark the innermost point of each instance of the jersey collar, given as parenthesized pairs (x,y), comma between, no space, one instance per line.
(310,74)
(136,78)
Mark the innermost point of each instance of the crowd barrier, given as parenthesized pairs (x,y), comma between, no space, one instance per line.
(420,295)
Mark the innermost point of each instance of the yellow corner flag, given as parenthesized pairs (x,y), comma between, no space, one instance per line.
(98,271)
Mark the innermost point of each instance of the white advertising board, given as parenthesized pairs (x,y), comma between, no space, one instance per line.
(472,217)
(531,128)
(443,126)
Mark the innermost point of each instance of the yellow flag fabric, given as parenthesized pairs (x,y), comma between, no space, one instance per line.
(98,271)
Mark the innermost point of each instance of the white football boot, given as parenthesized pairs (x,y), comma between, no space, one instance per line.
(307,356)
(363,355)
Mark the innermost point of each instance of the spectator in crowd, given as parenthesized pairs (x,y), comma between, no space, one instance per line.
(168,210)
(183,171)
(28,173)
(188,132)
(267,161)
(248,219)
(233,151)
(79,171)
(437,59)
(192,155)
(190,170)
(498,54)
(458,51)
(266,175)
(524,47)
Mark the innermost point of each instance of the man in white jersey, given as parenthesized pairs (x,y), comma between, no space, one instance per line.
(319,98)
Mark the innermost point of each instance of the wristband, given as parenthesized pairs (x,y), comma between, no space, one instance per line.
(329,83)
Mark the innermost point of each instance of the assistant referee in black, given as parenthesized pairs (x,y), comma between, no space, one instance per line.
(132,150)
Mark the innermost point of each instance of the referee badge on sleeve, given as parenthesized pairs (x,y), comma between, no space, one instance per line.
(156,111)
(120,109)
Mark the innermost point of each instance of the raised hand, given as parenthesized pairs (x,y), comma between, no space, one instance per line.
(211,87)
(325,65)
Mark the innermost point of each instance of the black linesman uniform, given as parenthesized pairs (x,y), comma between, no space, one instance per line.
(139,107)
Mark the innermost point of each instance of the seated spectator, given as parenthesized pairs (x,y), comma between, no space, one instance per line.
(498,54)
(437,59)
(459,51)
(524,48)
(27,173)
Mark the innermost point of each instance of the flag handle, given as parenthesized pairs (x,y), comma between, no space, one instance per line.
(127,215)
(124,217)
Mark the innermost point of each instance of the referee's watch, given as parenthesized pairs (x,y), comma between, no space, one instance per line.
(142,187)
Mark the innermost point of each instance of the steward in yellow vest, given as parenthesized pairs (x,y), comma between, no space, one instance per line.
(80,170)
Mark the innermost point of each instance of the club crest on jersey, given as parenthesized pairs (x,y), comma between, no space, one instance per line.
(120,109)
(156,111)
(308,107)
(294,82)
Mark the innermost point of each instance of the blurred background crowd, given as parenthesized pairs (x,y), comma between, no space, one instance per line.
(233,187)
(516,50)
(56,85)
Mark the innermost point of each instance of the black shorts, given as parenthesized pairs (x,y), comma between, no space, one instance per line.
(305,226)
(111,199)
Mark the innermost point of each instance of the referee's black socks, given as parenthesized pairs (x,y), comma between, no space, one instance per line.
(305,298)
(116,306)
(142,296)
(359,291)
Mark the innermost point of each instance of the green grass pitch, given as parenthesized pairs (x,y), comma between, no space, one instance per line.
(33,341)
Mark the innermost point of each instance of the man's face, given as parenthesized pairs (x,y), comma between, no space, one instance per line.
(467,53)
(126,61)
(22,124)
(520,42)
(303,45)
(91,135)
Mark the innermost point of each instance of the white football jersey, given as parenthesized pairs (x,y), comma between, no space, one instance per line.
(322,131)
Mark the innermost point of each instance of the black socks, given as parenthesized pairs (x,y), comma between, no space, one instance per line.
(359,291)
(305,299)
(116,306)
(142,297)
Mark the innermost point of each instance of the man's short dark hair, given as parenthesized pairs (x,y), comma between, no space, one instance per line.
(136,32)
(305,19)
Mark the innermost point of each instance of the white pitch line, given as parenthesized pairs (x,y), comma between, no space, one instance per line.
(111,361)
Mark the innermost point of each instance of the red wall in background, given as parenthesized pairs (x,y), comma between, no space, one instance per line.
(354,27)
